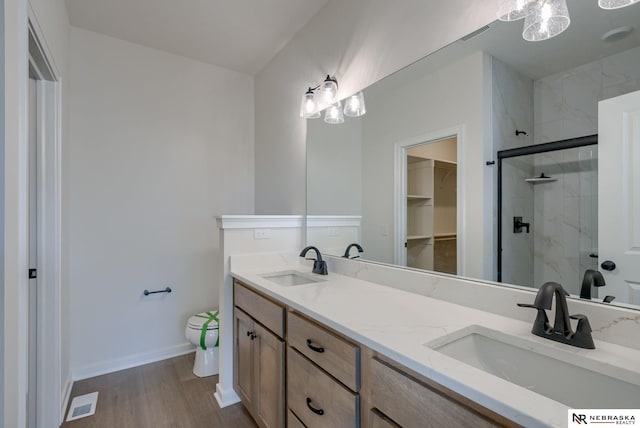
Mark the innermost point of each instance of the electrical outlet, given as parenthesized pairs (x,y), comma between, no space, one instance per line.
(384,230)
(333,231)
(261,233)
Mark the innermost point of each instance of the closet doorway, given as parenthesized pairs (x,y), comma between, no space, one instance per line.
(430,205)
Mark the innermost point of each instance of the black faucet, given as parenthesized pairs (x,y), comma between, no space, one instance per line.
(346,252)
(319,265)
(561,329)
(595,277)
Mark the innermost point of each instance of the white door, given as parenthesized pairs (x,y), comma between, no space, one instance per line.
(619,197)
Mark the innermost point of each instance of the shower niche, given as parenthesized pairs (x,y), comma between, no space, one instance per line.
(551,192)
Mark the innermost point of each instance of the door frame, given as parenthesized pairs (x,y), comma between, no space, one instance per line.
(49,406)
(400,191)
(15,282)
(49,224)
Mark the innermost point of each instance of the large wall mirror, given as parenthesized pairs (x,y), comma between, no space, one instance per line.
(415,181)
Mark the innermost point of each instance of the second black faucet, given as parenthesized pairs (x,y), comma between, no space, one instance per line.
(319,265)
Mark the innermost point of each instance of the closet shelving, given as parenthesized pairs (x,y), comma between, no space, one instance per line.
(427,221)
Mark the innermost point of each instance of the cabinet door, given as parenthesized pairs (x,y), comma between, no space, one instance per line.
(269,376)
(243,358)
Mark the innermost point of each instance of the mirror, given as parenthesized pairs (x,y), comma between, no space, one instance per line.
(489,92)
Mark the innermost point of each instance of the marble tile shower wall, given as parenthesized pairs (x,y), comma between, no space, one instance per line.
(565,219)
(566,103)
(512,102)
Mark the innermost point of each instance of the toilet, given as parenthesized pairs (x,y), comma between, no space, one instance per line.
(202,331)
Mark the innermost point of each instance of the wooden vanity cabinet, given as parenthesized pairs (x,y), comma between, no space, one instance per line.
(259,360)
(394,396)
(330,380)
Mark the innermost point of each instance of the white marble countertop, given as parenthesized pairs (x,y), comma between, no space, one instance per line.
(398,324)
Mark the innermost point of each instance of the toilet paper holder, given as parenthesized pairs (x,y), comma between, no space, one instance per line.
(166,290)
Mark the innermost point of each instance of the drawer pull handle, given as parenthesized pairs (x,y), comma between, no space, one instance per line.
(319,412)
(313,347)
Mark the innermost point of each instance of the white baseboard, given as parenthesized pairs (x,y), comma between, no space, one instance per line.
(225,397)
(118,364)
(68,386)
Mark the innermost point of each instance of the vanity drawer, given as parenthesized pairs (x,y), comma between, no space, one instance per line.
(335,355)
(263,310)
(410,403)
(378,420)
(293,421)
(317,399)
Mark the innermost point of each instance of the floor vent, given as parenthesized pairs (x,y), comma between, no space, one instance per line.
(82,406)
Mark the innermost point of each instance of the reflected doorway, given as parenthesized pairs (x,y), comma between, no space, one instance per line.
(431,206)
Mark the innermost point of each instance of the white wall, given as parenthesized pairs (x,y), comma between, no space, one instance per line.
(159,146)
(360,41)
(336,190)
(449,97)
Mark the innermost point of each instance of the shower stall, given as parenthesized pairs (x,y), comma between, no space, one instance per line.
(548,213)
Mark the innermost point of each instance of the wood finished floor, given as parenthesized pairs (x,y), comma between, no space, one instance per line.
(158,395)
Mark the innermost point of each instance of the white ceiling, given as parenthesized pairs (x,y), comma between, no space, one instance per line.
(241,35)
(580,44)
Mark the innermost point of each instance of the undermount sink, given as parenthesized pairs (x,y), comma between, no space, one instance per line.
(564,377)
(290,278)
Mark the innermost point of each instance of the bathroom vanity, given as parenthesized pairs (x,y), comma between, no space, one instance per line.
(330,379)
(337,351)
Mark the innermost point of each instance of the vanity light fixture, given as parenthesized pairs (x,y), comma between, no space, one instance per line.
(323,97)
(512,10)
(334,114)
(318,97)
(547,19)
(309,107)
(354,105)
(615,4)
(329,90)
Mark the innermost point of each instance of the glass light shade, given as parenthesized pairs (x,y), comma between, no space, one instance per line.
(308,107)
(512,10)
(547,19)
(333,114)
(328,90)
(354,105)
(615,4)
